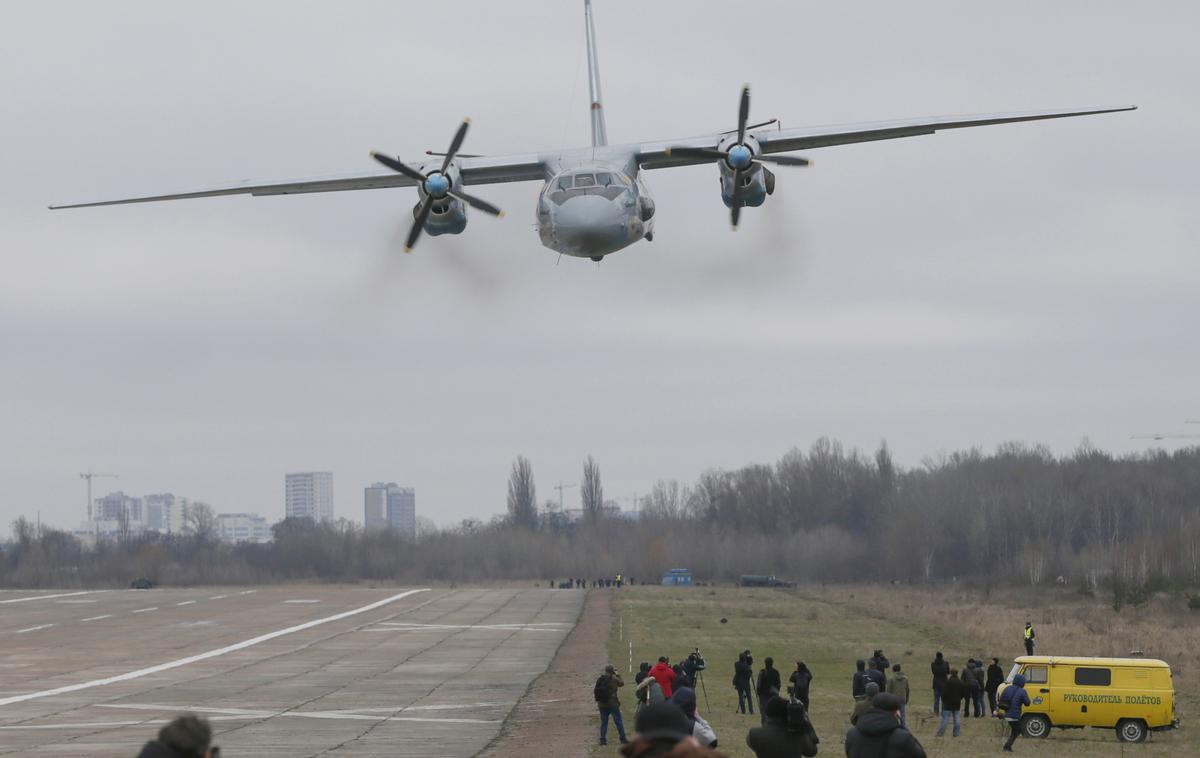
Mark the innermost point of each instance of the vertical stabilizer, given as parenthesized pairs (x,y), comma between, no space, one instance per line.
(599,133)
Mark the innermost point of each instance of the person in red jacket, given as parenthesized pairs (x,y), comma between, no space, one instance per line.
(663,674)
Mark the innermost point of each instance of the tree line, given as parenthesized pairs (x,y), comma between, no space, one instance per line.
(1018,515)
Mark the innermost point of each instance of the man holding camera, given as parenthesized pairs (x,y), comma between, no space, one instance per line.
(608,704)
(743,675)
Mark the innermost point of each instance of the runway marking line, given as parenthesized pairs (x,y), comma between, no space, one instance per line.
(247,592)
(186,602)
(218,597)
(97,618)
(301,601)
(139,673)
(33,628)
(48,597)
(145,610)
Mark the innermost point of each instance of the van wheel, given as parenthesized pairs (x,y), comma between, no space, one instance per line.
(1131,730)
(1035,726)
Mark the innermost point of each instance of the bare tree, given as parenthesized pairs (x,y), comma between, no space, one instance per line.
(591,492)
(522,494)
(201,522)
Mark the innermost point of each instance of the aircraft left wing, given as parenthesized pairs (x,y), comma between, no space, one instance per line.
(481,170)
(657,154)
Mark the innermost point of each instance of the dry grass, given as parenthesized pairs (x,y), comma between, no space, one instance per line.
(829,627)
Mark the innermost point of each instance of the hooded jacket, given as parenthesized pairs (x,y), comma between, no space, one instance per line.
(858,685)
(898,686)
(879,735)
(613,701)
(156,749)
(970,678)
(801,680)
(665,677)
(1017,697)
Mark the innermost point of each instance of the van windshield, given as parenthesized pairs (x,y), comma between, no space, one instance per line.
(1012,674)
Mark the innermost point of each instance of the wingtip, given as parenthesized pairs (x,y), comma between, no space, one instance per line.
(500,214)
(407,249)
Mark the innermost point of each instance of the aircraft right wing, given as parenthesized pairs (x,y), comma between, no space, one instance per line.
(479,170)
(658,154)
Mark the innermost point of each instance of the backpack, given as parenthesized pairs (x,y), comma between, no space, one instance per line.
(603,689)
(1005,701)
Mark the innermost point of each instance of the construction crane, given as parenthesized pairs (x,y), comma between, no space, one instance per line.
(93,475)
(560,489)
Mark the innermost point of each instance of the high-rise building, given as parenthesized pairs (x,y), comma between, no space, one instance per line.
(390,506)
(165,513)
(402,510)
(309,495)
(375,510)
(243,527)
(117,506)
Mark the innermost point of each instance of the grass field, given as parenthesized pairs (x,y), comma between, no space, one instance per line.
(830,627)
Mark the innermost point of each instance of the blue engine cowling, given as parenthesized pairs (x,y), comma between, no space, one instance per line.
(754,189)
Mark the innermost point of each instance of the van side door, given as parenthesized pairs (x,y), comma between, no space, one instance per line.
(1098,705)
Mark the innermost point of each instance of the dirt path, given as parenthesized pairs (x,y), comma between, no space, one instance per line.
(557,711)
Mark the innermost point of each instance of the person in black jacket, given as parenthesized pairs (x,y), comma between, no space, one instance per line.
(767,686)
(801,680)
(858,685)
(941,671)
(995,678)
(878,733)
(774,739)
(953,694)
(883,664)
(743,676)
(875,675)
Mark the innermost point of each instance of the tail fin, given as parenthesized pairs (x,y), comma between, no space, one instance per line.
(599,133)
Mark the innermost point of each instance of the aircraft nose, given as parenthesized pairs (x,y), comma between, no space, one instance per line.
(590,224)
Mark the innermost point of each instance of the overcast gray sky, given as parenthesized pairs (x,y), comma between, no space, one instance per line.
(1032,282)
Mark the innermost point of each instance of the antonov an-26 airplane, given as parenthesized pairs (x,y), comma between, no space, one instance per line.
(593,200)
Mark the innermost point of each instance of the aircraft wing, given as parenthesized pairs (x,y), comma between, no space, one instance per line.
(483,170)
(657,154)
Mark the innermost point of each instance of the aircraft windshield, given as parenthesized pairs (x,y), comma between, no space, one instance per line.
(585,180)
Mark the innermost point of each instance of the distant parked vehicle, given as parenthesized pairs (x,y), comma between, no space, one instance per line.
(677,578)
(763,580)
(141,584)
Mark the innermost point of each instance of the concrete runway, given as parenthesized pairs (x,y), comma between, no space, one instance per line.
(280,671)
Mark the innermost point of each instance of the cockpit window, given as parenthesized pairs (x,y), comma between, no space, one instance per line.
(605,179)
(585,180)
(564,183)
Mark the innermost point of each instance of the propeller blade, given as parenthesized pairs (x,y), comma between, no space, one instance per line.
(696,152)
(736,210)
(418,224)
(753,126)
(456,143)
(399,167)
(743,113)
(784,160)
(475,202)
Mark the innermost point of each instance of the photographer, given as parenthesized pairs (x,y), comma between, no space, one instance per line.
(693,665)
(801,680)
(743,673)
(785,733)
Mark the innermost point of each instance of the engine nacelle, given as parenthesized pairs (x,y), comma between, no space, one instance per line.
(756,184)
(448,215)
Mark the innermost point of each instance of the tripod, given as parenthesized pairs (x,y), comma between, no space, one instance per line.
(700,679)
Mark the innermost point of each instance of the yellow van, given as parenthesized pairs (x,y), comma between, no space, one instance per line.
(1131,695)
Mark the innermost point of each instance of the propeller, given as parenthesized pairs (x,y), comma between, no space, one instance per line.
(437,185)
(739,156)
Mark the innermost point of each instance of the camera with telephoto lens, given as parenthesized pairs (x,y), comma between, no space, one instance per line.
(797,718)
(697,660)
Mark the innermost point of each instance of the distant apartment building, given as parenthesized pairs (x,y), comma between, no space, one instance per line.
(402,510)
(390,506)
(165,513)
(309,495)
(117,506)
(375,501)
(243,527)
